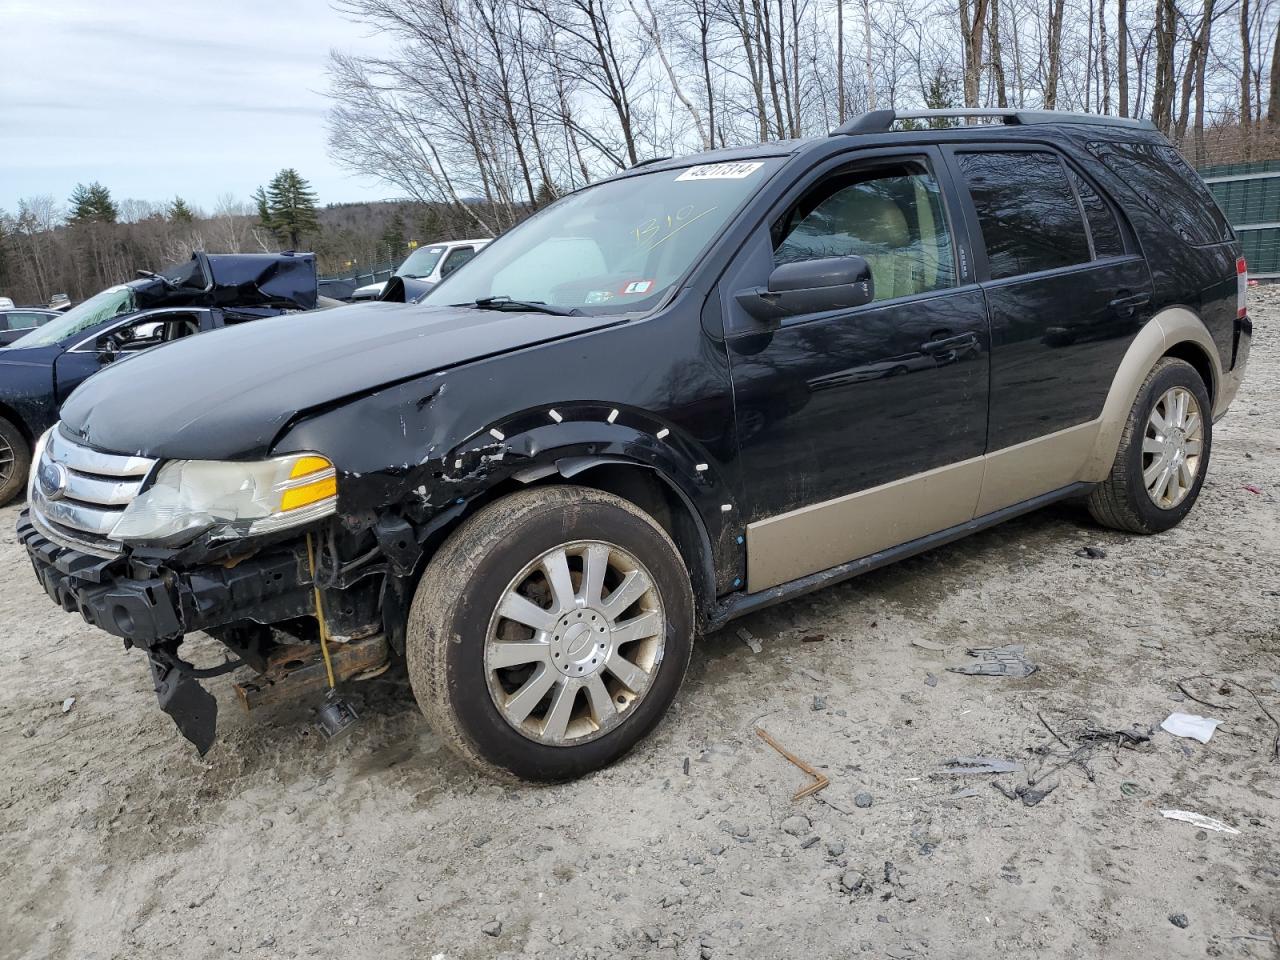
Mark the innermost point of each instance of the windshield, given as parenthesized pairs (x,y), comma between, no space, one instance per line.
(421,262)
(613,248)
(111,302)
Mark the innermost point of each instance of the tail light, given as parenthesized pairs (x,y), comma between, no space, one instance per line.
(1242,289)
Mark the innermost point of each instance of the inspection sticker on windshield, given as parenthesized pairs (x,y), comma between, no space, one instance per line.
(637,286)
(722,171)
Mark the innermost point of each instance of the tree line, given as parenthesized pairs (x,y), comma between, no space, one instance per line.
(93,240)
(518,101)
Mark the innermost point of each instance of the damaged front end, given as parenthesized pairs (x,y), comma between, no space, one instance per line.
(282,602)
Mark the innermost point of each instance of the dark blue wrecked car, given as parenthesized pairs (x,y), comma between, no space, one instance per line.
(39,370)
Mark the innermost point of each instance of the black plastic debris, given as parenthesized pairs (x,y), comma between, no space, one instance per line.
(1092,553)
(1007,661)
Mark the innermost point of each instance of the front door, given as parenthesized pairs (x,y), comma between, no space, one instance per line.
(861,428)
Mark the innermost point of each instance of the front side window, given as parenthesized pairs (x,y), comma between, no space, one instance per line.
(616,247)
(1027,211)
(457,257)
(894,218)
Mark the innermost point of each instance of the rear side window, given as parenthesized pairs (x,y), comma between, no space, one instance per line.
(1107,240)
(1167,185)
(1027,210)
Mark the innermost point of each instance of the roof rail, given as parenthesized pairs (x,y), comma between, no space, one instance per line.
(882,121)
(645,163)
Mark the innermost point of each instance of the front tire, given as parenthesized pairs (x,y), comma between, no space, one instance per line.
(15,461)
(1163,455)
(550,633)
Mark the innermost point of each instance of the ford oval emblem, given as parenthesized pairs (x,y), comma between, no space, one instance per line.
(53,480)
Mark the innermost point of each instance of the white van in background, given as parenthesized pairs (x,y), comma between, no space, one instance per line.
(431,264)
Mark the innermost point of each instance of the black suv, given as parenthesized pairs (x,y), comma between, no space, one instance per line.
(702,386)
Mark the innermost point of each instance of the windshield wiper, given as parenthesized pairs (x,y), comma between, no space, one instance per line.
(503,302)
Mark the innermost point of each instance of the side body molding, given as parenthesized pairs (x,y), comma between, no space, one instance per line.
(823,535)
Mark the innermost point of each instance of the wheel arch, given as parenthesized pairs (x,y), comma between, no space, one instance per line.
(1173,332)
(18,421)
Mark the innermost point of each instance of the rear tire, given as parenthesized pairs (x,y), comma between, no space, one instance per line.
(572,681)
(15,461)
(1132,497)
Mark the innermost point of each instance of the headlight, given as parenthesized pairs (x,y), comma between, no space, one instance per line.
(189,497)
(36,453)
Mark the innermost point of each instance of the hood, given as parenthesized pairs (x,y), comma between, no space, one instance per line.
(226,395)
(29,356)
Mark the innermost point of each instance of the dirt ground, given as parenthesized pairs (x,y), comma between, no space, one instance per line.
(117,841)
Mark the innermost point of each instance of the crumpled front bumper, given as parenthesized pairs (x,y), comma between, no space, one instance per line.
(144,605)
(151,607)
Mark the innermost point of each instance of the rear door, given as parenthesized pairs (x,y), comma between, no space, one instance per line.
(1067,291)
(860,428)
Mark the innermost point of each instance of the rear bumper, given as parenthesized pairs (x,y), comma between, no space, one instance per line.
(1242,341)
(143,605)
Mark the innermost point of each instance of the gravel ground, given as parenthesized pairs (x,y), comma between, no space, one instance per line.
(116,840)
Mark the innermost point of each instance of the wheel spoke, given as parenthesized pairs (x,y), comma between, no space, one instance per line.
(1153,445)
(516,654)
(522,610)
(1186,476)
(602,708)
(1193,424)
(526,698)
(1157,420)
(562,701)
(628,592)
(631,676)
(1162,483)
(556,567)
(637,628)
(595,563)
(1180,398)
(1194,447)
(1154,471)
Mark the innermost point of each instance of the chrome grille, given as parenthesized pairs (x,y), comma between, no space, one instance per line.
(78,493)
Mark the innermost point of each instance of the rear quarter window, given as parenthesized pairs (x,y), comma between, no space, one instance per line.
(1168,186)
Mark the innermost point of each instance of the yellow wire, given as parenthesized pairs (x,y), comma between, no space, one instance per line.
(324,627)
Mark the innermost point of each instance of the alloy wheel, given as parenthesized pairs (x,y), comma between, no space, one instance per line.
(1172,447)
(574,643)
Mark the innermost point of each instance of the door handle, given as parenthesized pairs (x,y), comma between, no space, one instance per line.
(1127,305)
(949,343)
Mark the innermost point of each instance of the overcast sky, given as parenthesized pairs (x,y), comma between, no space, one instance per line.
(157,98)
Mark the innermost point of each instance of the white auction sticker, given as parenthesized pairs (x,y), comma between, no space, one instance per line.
(722,171)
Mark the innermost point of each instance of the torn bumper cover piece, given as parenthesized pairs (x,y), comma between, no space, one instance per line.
(152,609)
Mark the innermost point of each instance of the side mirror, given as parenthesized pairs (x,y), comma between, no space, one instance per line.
(810,286)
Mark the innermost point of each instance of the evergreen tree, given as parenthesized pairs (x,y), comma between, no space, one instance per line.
(179,212)
(264,208)
(393,237)
(428,224)
(288,207)
(941,95)
(92,204)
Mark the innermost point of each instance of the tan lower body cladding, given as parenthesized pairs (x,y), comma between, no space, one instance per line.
(824,535)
